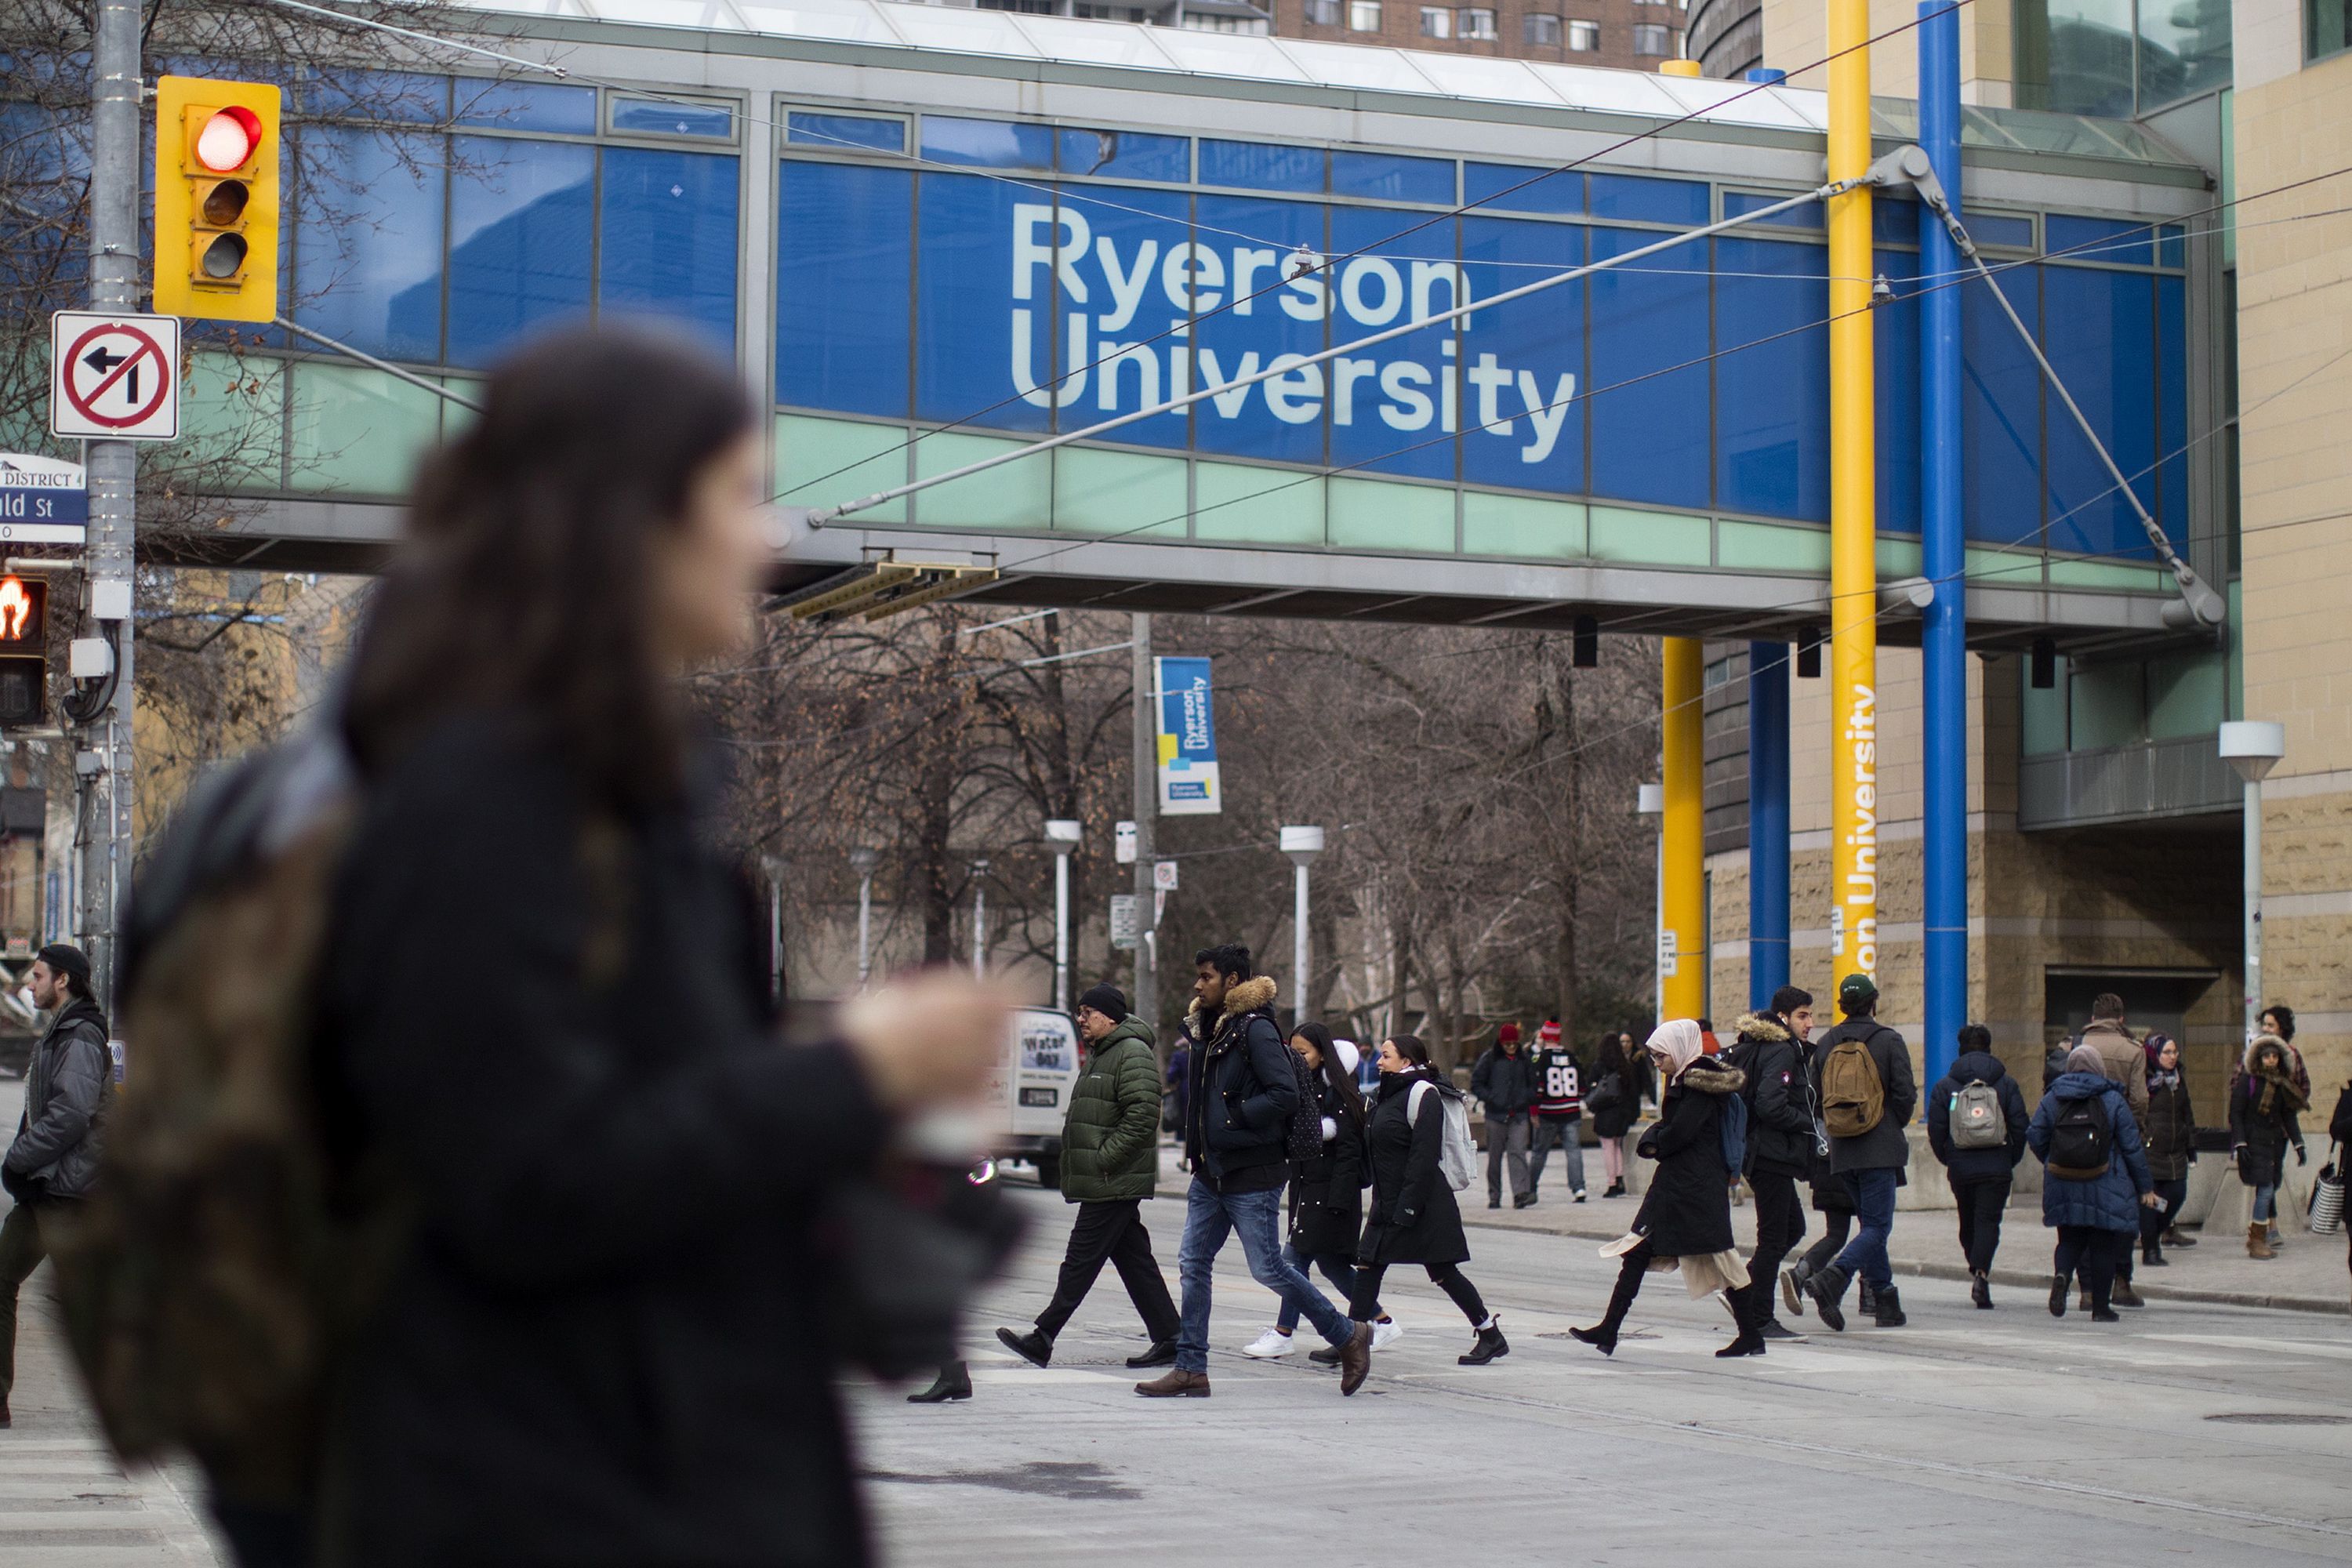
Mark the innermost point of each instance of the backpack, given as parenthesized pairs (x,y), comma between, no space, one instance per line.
(207,1281)
(1303,1139)
(2081,1140)
(1853,1100)
(1457,1154)
(1975,1117)
(1732,1126)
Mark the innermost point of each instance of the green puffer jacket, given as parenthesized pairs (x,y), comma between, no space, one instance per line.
(1110,1139)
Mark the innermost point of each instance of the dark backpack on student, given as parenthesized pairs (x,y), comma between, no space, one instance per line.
(1732,1123)
(2082,1140)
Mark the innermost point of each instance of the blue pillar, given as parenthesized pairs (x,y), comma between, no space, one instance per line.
(1944,638)
(1767,821)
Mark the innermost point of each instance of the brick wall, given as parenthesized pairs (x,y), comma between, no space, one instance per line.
(2294,293)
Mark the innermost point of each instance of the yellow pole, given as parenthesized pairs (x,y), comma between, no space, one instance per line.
(1854,548)
(1682,849)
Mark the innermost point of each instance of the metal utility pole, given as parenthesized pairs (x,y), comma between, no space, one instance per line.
(1147,801)
(102,762)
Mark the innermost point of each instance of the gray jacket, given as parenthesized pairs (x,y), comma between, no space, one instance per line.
(66,1085)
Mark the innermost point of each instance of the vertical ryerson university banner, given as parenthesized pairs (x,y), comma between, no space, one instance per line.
(1188,740)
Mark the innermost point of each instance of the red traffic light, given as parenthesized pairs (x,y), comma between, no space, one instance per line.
(20,615)
(227,141)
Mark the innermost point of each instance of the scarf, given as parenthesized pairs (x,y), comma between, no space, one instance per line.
(2279,1097)
(2163,1078)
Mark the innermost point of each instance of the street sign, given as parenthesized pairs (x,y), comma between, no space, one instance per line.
(1126,920)
(1669,952)
(114,378)
(1163,876)
(42,500)
(1122,838)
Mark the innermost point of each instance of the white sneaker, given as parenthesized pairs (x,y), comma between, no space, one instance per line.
(1386,1334)
(1272,1343)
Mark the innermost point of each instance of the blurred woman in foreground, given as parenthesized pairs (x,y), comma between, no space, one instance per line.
(547,1028)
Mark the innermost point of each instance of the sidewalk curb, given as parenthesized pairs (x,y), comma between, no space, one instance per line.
(2009,1278)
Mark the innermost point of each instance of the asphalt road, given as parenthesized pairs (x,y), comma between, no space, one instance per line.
(1969,1437)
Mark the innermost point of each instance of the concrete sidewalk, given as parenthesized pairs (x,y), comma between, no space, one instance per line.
(2309,1275)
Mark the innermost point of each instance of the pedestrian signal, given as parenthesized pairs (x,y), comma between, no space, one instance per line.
(24,661)
(216,183)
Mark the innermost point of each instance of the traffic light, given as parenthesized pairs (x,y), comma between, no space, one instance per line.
(217,172)
(23,663)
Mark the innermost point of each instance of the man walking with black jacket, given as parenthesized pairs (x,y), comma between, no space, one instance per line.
(1111,1167)
(1246,1089)
(1780,1143)
(1867,1095)
(1505,1083)
(53,1163)
(1980,1148)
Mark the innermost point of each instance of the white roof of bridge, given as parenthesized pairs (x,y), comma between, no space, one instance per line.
(960,30)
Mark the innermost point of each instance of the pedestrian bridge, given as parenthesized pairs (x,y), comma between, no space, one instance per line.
(932,234)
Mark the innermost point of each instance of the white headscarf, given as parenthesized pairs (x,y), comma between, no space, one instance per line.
(1679,1040)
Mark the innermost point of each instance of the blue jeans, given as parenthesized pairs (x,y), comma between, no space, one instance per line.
(1255,1217)
(1567,1133)
(1874,1211)
(2266,1202)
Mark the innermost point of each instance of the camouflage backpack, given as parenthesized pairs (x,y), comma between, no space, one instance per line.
(206,1278)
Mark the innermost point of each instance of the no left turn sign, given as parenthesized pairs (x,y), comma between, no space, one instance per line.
(114,377)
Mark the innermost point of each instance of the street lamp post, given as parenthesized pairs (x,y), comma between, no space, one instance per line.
(1062,835)
(980,920)
(2254,747)
(1303,844)
(1652,803)
(863,860)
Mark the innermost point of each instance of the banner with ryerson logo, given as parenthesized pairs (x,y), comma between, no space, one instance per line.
(1188,740)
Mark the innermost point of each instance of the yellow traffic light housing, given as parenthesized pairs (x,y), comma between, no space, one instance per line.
(217,155)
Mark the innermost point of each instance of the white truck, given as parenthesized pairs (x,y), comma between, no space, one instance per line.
(1030,1092)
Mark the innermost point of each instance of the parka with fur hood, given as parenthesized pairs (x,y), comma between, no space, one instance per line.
(1780,1097)
(1245,1088)
(1688,1208)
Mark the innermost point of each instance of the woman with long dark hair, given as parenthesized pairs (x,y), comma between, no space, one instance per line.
(547,1036)
(1326,1193)
(1619,1080)
(1414,1217)
(2170,1137)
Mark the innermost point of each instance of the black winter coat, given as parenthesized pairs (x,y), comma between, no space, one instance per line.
(608,1342)
(1887,1146)
(1505,1084)
(1779,1096)
(1687,1210)
(2261,1141)
(2170,1135)
(1326,1193)
(1244,1088)
(1414,1217)
(1634,1078)
(1977,1164)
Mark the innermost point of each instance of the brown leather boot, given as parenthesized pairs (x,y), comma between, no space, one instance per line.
(1356,1359)
(1176,1384)
(2258,1241)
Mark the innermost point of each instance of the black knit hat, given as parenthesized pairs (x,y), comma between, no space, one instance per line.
(1108,1000)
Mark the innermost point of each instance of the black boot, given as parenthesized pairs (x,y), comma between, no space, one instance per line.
(1981,1290)
(1747,1310)
(1888,1305)
(1162,1353)
(2151,1255)
(1035,1347)
(2058,1295)
(1491,1345)
(1603,1336)
(954,1383)
(1865,1300)
(1827,1287)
